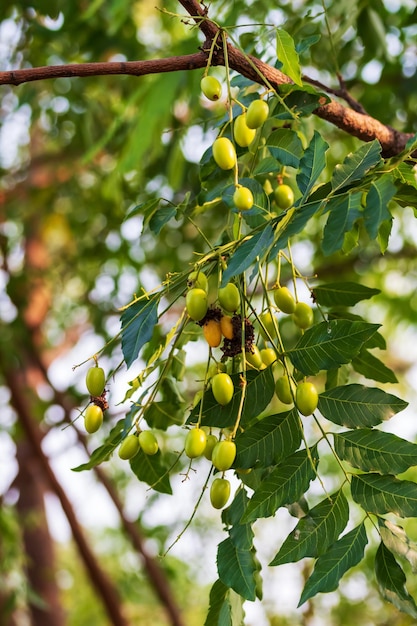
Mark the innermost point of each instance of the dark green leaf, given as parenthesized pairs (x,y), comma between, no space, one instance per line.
(369,366)
(344,211)
(315,532)
(240,534)
(312,164)
(329,568)
(161,217)
(225,606)
(163,414)
(138,322)
(357,406)
(246,253)
(342,293)
(151,470)
(385,494)
(330,344)
(391,581)
(288,56)
(285,145)
(395,538)
(104,452)
(356,164)
(236,568)
(376,210)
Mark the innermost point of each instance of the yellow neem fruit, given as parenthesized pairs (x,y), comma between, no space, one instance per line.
(222,388)
(224,153)
(242,133)
(257,113)
(306,398)
(195,443)
(226,326)
(196,303)
(219,492)
(129,447)
(243,198)
(223,455)
(211,87)
(213,333)
(95,381)
(93,418)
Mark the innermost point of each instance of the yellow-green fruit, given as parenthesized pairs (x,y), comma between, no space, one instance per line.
(224,153)
(306,398)
(283,388)
(148,442)
(95,381)
(224,453)
(229,297)
(254,358)
(211,87)
(268,356)
(211,442)
(196,303)
(219,492)
(226,326)
(242,133)
(222,388)
(195,443)
(243,198)
(284,196)
(197,279)
(303,315)
(284,300)
(93,418)
(267,326)
(257,113)
(129,447)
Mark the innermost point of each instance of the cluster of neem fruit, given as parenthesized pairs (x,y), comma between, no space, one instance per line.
(245,126)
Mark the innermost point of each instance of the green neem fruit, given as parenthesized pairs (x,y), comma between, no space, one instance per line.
(283,388)
(284,196)
(219,492)
(195,443)
(198,280)
(268,356)
(129,447)
(254,358)
(93,418)
(284,300)
(242,133)
(148,442)
(303,315)
(95,381)
(224,153)
(222,387)
(211,87)
(243,198)
(267,326)
(306,398)
(223,455)
(196,303)
(211,442)
(229,297)
(257,113)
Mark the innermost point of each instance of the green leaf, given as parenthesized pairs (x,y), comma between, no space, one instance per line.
(285,145)
(151,470)
(240,534)
(298,220)
(312,163)
(396,540)
(376,209)
(369,366)
(315,532)
(260,389)
(330,344)
(104,452)
(356,164)
(288,56)
(375,451)
(342,293)
(225,606)
(138,322)
(391,581)
(268,441)
(248,251)
(385,494)
(357,406)
(284,485)
(236,568)
(329,568)
(161,217)
(162,414)
(344,211)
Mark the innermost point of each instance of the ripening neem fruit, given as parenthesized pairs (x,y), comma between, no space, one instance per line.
(219,492)
(198,280)
(224,153)
(148,442)
(93,418)
(226,326)
(303,315)
(211,442)
(95,381)
(243,198)
(241,132)
(284,196)
(284,300)
(195,443)
(283,388)
(229,297)
(267,326)
(212,333)
(254,358)
(129,447)
(257,113)
(211,87)
(268,356)
(306,398)
(222,387)
(223,455)
(196,303)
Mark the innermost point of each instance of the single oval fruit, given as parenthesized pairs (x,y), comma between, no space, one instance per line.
(268,356)
(195,443)
(257,113)
(222,387)
(303,315)
(129,447)
(284,300)
(95,381)
(243,198)
(254,358)
(93,418)
(224,453)
(211,442)
(283,388)
(229,297)
(224,153)
(197,279)
(211,87)
(267,325)
(212,333)
(306,398)
(226,326)
(284,196)
(196,303)
(219,492)
(241,132)
(148,442)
